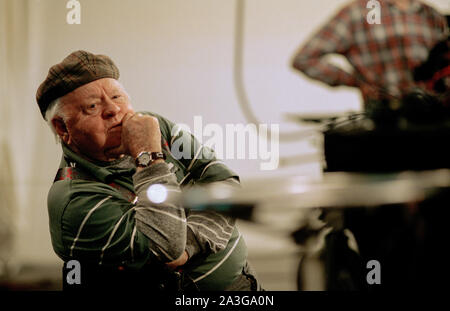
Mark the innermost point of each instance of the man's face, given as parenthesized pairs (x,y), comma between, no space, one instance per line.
(94,114)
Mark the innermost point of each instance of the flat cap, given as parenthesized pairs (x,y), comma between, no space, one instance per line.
(77,69)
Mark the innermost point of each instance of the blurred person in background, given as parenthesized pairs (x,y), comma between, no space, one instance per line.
(394,65)
(383,55)
(101,209)
(434,73)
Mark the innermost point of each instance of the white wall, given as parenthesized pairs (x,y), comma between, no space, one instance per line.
(175,58)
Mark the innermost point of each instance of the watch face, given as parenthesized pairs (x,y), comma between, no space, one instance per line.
(144,158)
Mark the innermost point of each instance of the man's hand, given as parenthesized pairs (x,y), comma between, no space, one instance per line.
(139,133)
(178,262)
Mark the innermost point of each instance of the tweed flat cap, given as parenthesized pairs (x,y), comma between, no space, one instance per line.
(77,69)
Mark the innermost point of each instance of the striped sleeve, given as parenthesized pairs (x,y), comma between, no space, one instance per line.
(164,223)
(208,231)
(101,229)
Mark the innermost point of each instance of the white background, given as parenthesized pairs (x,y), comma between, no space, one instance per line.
(176,59)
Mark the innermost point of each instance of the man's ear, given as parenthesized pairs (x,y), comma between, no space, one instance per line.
(61,129)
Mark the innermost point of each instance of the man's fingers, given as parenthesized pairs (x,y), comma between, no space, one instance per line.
(128,116)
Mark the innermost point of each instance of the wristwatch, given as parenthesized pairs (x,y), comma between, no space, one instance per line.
(146,158)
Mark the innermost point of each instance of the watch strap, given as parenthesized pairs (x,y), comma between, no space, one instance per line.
(153,157)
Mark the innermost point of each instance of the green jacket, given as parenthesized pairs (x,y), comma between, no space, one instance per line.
(92,221)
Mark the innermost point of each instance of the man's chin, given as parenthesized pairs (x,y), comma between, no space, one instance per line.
(113,153)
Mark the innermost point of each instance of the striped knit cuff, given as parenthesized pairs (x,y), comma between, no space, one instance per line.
(192,246)
(157,169)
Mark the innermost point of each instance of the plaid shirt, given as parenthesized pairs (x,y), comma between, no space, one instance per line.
(382,55)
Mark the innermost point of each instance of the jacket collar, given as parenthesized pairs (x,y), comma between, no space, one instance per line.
(103,171)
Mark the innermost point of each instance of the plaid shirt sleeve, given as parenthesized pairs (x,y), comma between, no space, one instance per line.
(441,24)
(334,37)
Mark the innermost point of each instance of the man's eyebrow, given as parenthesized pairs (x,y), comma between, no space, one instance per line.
(116,89)
(92,96)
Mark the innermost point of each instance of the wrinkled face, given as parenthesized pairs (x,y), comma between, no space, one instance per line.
(93,117)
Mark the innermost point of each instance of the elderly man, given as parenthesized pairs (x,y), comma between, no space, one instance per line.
(382,55)
(100,206)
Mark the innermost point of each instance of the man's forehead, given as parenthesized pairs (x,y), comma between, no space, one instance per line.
(95,88)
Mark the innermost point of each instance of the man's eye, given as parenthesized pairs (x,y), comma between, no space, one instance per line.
(92,106)
(115,96)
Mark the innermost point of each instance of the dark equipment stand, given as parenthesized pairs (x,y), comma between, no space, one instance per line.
(407,239)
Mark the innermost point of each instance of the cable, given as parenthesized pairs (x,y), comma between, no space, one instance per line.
(239,81)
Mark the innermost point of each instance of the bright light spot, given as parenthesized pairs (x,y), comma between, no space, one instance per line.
(298,188)
(157,193)
(221,193)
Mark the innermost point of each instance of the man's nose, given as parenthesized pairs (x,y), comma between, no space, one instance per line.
(111,108)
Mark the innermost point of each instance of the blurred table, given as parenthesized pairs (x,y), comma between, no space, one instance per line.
(33,277)
(399,219)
